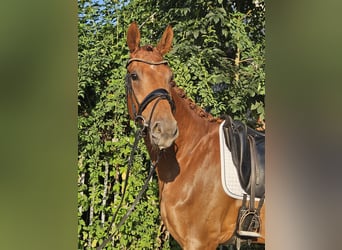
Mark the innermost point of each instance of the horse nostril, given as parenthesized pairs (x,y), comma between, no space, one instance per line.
(156,128)
(175,133)
(162,129)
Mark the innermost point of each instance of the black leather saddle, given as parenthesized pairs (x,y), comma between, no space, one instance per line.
(247,147)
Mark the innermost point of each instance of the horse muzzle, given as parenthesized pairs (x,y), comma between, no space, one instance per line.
(163,134)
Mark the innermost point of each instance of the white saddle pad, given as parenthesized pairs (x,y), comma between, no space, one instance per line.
(229,175)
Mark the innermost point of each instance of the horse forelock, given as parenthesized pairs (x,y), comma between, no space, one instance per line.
(148,47)
(147,52)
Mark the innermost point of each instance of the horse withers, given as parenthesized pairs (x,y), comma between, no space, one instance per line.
(183,139)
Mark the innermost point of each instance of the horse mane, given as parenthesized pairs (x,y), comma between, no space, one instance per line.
(193,106)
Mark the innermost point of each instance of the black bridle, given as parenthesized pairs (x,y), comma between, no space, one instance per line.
(159,94)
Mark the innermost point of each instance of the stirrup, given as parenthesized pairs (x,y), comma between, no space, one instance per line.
(249,224)
(249,220)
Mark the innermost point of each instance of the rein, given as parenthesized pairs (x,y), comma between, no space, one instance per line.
(138,136)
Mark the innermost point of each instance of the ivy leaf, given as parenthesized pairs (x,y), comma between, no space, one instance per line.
(195,33)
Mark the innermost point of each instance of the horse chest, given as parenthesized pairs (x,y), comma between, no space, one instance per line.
(180,198)
(174,209)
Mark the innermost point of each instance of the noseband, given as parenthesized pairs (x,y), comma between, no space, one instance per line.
(159,94)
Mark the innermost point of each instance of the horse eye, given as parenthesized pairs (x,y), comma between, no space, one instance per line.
(134,76)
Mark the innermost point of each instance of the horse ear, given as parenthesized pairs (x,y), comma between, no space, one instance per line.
(133,37)
(165,42)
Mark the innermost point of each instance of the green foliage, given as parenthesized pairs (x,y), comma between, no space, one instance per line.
(217,57)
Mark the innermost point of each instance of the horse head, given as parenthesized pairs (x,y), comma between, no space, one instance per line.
(148,87)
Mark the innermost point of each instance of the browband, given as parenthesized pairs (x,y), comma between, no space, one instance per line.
(145,61)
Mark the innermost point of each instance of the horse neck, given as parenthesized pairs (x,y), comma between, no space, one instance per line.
(191,120)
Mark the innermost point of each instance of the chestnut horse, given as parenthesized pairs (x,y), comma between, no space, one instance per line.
(183,140)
